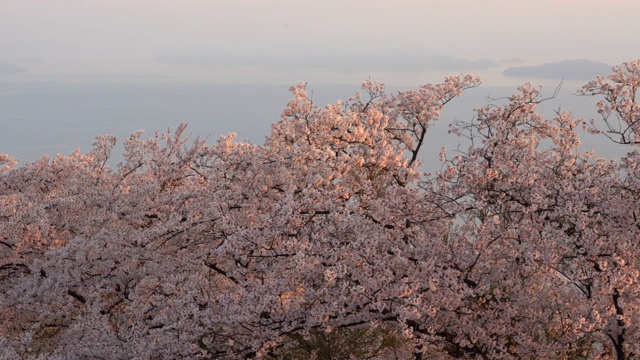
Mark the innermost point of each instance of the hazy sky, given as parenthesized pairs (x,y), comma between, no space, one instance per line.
(252,38)
(399,42)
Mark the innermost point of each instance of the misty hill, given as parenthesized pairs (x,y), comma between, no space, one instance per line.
(581,69)
(302,56)
(512,61)
(10,68)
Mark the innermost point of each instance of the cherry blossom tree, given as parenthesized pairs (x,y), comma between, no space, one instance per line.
(619,107)
(329,240)
(536,217)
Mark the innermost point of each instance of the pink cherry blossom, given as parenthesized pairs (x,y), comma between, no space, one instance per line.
(520,247)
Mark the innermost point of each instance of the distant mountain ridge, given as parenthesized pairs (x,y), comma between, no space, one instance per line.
(10,68)
(577,69)
(300,56)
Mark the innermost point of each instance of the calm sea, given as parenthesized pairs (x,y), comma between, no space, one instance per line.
(56,117)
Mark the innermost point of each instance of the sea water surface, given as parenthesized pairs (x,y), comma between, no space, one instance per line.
(57,116)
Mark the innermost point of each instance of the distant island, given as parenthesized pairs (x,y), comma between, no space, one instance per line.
(303,56)
(581,69)
(512,61)
(10,68)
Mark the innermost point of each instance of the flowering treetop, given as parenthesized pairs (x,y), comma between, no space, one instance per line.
(521,247)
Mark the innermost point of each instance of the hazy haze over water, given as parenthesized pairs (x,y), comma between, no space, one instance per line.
(274,40)
(117,66)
